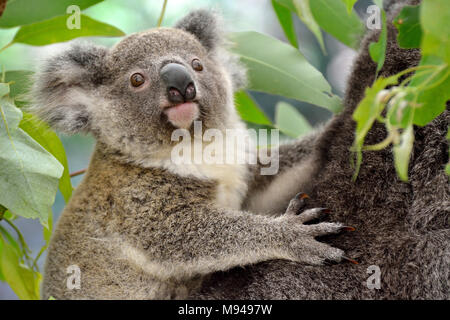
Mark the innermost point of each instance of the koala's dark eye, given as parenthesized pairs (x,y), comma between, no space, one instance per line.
(137,79)
(197,65)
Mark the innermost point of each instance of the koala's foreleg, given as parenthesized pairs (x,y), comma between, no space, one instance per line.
(209,239)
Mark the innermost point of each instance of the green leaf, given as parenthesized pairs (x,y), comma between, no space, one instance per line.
(368,110)
(349,4)
(332,16)
(4,89)
(249,110)
(432,99)
(434,18)
(289,4)
(48,139)
(402,152)
(10,216)
(278,68)
(302,7)
(13,243)
(28,173)
(55,30)
(21,12)
(408,26)
(377,50)
(289,121)
(19,82)
(379,3)
(285,18)
(22,280)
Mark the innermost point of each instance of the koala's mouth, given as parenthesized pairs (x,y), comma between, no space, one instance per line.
(182,115)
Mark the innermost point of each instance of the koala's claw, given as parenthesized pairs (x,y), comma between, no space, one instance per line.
(305,247)
(350,260)
(301,195)
(296,204)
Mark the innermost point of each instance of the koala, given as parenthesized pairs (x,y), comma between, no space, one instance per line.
(140,226)
(402,232)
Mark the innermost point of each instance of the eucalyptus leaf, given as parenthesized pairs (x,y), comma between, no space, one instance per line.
(249,110)
(408,26)
(22,12)
(10,239)
(332,16)
(434,18)
(432,94)
(4,89)
(349,4)
(402,153)
(291,122)
(29,174)
(366,113)
(303,10)
(377,50)
(379,3)
(22,280)
(285,18)
(55,30)
(19,82)
(278,68)
(48,139)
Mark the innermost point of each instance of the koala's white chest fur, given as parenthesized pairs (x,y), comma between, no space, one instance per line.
(231,179)
(231,183)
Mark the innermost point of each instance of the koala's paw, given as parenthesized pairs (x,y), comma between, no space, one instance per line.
(303,244)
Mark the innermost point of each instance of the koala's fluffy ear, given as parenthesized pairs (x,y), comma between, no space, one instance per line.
(63,89)
(204,25)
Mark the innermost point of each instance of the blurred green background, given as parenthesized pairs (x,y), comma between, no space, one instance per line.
(137,15)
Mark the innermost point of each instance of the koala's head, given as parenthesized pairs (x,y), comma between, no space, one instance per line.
(131,97)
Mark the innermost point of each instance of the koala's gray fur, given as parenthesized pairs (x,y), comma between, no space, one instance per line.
(139,226)
(403,228)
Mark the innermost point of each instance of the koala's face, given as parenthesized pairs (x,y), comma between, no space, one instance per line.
(134,95)
(164,79)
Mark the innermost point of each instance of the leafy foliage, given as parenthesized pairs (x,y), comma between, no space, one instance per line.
(23,12)
(349,4)
(285,17)
(408,24)
(289,72)
(55,30)
(422,96)
(289,121)
(332,17)
(249,110)
(28,173)
(377,50)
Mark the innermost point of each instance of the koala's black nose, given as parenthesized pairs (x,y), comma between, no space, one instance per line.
(180,86)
